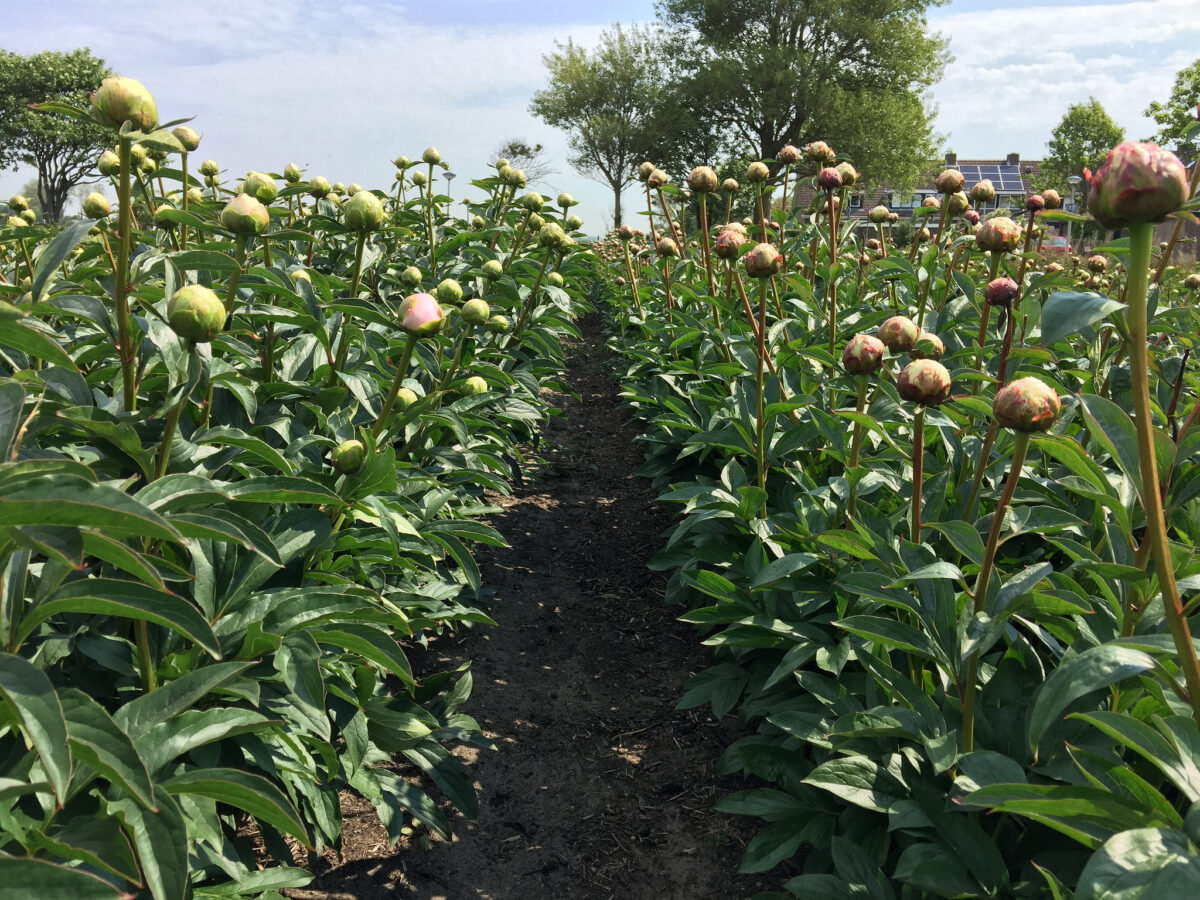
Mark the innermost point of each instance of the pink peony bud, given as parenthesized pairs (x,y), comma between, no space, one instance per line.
(1035,203)
(932,203)
(421,315)
(820,152)
(1097,263)
(829,179)
(763,261)
(1027,405)
(666,247)
(1000,291)
(898,333)
(702,180)
(924,381)
(1137,183)
(729,242)
(788,155)
(245,215)
(971,217)
(863,355)
(928,346)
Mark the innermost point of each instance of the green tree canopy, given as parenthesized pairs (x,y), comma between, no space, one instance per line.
(1080,141)
(63,150)
(853,73)
(1177,117)
(605,101)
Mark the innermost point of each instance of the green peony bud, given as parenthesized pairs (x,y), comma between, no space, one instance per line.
(412,276)
(473,386)
(449,291)
(187,137)
(119,100)
(492,269)
(260,186)
(349,456)
(319,187)
(209,168)
(476,311)
(899,334)
(573,223)
(555,279)
(431,156)
(243,215)
(949,182)
(363,211)
(96,206)
(406,397)
(497,324)
(566,201)
(292,173)
(109,164)
(533,201)
(196,313)
(757,172)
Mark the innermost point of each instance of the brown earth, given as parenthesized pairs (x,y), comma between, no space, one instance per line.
(601,788)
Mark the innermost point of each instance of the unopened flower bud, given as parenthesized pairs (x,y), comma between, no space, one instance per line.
(949,181)
(551,235)
(1052,199)
(1192,282)
(18,203)
(1027,404)
(757,172)
(431,156)
(196,313)
(292,173)
(829,179)
(364,211)
(491,269)
(411,276)
(448,291)
(1097,263)
(645,170)
(658,178)
(878,214)
(109,164)
(1137,183)
(625,233)
(730,186)
(243,215)
(260,186)
(1001,291)
(702,180)
(983,191)
(319,187)
(1035,203)
(821,153)
(96,206)
(476,311)
(566,201)
(348,456)
(928,346)
(209,168)
(120,100)
(729,242)
(924,381)
(554,279)
(188,138)
(863,355)
(498,324)
(1000,235)
(898,333)
(971,217)
(421,315)
(848,173)
(957,203)
(763,261)
(666,247)
(162,221)
(473,386)
(406,397)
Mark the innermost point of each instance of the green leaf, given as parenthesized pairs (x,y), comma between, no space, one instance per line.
(161,840)
(1115,432)
(891,633)
(167,741)
(858,780)
(371,643)
(22,876)
(55,253)
(276,878)
(13,333)
(98,741)
(1142,864)
(1092,670)
(777,842)
(69,500)
(126,599)
(12,412)
(246,791)
(848,542)
(31,695)
(138,716)
(963,537)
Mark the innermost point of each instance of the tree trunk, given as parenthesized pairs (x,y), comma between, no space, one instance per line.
(617,189)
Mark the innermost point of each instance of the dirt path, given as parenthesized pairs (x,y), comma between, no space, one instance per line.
(601,788)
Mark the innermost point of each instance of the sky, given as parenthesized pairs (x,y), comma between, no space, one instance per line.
(342,87)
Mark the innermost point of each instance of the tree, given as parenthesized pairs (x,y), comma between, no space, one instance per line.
(604,100)
(1177,117)
(63,150)
(853,73)
(1081,140)
(529,158)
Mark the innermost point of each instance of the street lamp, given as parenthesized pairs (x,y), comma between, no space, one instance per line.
(1073,181)
(449,176)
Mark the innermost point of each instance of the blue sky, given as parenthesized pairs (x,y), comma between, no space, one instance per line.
(343,87)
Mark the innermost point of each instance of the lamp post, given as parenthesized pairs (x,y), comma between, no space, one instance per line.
(1073,181)
(449,176)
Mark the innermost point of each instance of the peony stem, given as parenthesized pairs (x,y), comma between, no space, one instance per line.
(397,383)
(918,474)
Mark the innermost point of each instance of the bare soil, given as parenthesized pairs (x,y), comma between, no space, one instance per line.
(600,788)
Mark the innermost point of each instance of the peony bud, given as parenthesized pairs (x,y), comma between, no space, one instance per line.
(957,203)
(1097,263)
(260,186)
(566,201)
(420,315)
(1000,235)
(406,397)
(645,170)
(364,211)
(491,269)
(788,155)
(162,221)
(551,235)
(757,172)
(96,206)
(319,187)
(573,223)
(949,181)
(244,215)
(431,156)
(1052,199)
(658,178)
(476,311)
(209,168)
(497,324)
(729,242)
(983,191)
(829,179)
(348,456)
(924,381)
(625,233)
(292,173)
(120,100)
(1000,291)
(554,279)
(730,186)
(763,261)
(928,346)
(1192,282)
(411,276)
(448,291)
(1137,183)
(971,217)
(473,386)
(109,163)
(820,152)
(863,355)
(702,180)
(1027,405)
(666,247)
(878,214)
(898,333)
(196,313)
(531,202)
(848,172)
(187,137)
(1035,203)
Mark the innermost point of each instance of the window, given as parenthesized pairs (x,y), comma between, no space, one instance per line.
(905,201)
(856,201)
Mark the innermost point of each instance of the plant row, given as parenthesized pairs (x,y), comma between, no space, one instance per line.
(939,505)
(246,430)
